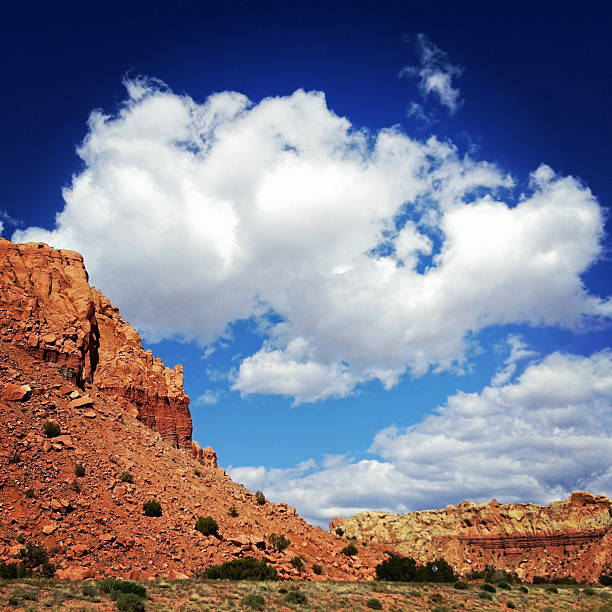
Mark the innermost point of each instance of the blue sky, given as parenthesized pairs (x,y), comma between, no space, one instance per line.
(375,234)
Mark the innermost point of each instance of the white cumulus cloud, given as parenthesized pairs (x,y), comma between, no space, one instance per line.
(374,252)
(536,439)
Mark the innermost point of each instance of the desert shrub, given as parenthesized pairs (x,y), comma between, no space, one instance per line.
(51,429)
(21,538)
(254,601)
(605,579)
(462,586)
(8,571)
(13,601)
(510,605)
(75,485)
(339,531)
(504,585)
(489,588)
(350,550)
(374,604)
(29,493)
(14,458)
(405,569)
(485,595)
(441,609)
(540,580)
(79,470)
(197,472)
(89,590)
(232,512)
(260,498)
(295,597)
(126,477)
(588,591)
(33,555)
(47,570)
(241,569)
(207,525)
(551,589)
(523,589)
(110,585)
(129,602)
(152,508)
(317,569)
(298,563)
(278,541)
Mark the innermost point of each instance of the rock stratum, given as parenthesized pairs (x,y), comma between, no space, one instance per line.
(48,309)
(571,538)
(67,357)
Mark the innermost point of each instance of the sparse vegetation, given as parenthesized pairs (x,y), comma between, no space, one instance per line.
(298,563)
(278,542)
(405,569)
(606,579)
(504,585)
(523,589)
(510,605)
(232,512)
(295,597)
(51,429)
(14,458)
(207,525)
(152,508)
(197,472)
(129,602)
(126,477)
(29,493)
(462,586)
(339,531)
(350,550)
(241,569)
(374,604)
(255,601)
(79,470)
(260,498)
(551,589)
(489,588)
(317,569)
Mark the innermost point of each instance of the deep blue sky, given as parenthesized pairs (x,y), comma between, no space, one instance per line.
(536,87)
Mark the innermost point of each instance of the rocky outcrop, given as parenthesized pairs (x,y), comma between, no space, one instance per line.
(568,538)
(48,308)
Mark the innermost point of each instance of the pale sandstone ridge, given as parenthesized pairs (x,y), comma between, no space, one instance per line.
(48,308)
(572,537)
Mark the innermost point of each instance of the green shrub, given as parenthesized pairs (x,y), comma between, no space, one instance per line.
(232,512)
(8,571)
(254,601)
(126,477)
(339,531)
(51,429)
(298,563)
(350,550)
(14,458)
(317,569)
(197,472)
(278,541)
(485,595)
(14,601)
(33,555)
(551,589)
(260,498)
(295,597)
(79,470)
(523,589)
(241,569)
(207,525)
(110,585)
(129,602)
(510,605)
(152,508)
(47,570)
(405,569)
(504,585)
(462,586)
(588,591)
(374,604)
(29,493)
(89,590)
(606,579)
(488,587)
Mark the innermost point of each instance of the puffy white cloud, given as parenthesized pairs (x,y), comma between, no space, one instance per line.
(375,252)
(208,398)
(435,76)
(536,439)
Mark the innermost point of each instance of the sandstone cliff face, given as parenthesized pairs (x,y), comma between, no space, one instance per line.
(568,538)
(48,308)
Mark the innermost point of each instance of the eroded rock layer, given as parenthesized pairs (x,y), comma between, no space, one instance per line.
(48,308)
(568,538)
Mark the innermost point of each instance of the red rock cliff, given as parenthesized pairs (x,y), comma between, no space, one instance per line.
(48,308)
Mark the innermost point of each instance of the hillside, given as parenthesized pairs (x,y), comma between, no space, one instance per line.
(568,538)
(67,357)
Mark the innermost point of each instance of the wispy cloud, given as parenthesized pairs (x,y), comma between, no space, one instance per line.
(434,74)
(208,398)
